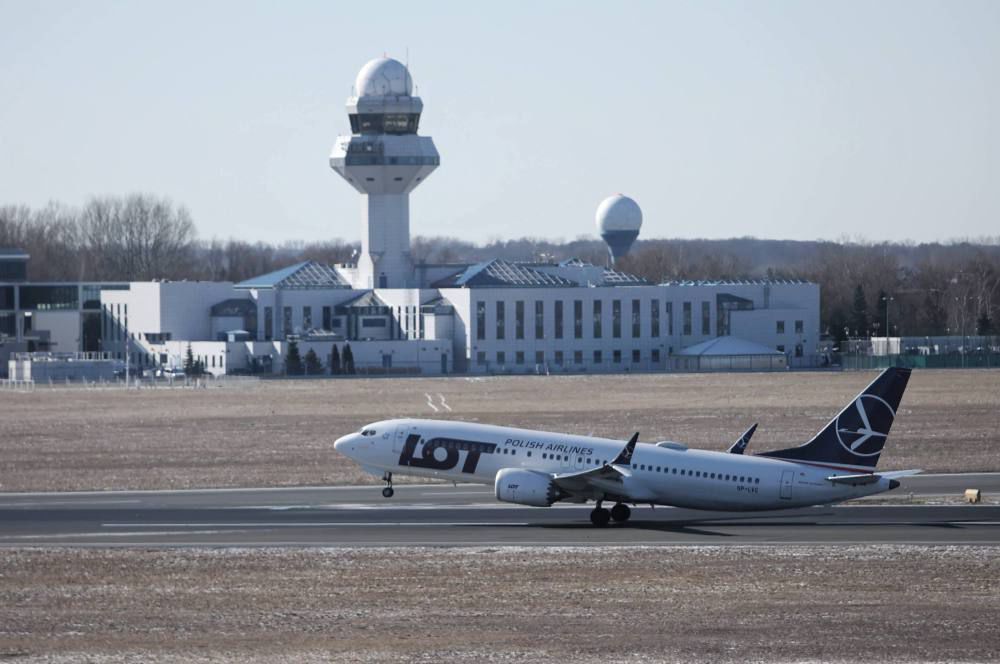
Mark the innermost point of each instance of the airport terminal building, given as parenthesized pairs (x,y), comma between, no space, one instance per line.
(403,317)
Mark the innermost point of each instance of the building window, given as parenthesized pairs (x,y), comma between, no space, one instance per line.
(7,298)
(539,357)
(327,315)
(687,319)
(539,319)
(519,357)
(578,319)
(559,358)
(597,357)
(654,318)
(616,319)
(636,356)
(577,357)
(780,327)
(373,322)
(781,348)
(559,319)
(268,323)
(501,318)
(481,358)
(480,320)
(670,318)
(8,324)
(501,358)
(597,319)
(799,327)
(287,325)
(307,318)
(49,298)
(636,319)
(616,356)
(706,318)
(655,356)
(519,319)
(798,350)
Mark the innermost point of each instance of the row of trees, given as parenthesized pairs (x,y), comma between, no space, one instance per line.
(926,289)
(338,364)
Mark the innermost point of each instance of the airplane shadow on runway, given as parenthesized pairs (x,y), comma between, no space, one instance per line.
(703,526)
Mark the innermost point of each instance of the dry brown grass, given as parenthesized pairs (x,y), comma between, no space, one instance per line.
(281,432)
(718,604)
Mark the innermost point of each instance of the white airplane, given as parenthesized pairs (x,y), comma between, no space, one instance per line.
(539,468)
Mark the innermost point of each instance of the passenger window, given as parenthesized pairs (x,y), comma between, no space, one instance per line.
(657,469)
(529,453)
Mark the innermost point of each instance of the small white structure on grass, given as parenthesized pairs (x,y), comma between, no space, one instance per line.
(729,354)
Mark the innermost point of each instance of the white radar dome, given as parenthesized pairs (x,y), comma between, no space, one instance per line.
(384,77)
(618,221)
(618,213)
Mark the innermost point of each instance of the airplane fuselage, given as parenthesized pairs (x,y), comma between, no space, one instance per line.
(661,474)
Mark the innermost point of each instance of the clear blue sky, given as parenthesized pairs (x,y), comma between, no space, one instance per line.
(797,120)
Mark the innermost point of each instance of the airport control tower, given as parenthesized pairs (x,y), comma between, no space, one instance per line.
(384,159)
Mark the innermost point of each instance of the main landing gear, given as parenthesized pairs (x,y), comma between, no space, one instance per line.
(600,516)
(387,491)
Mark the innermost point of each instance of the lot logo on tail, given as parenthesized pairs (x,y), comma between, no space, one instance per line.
(863,427)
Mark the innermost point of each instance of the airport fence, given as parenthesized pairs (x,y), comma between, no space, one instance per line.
(950,361)
(142,383)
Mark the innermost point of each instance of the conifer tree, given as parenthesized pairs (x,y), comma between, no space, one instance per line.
(335,361)
(348,359)
(313,366)
(293,361)
(189,363)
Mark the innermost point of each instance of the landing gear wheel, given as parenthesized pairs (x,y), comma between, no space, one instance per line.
(600,517)
(387,492)
(620,512)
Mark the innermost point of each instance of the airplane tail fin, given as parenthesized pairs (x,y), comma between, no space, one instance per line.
(856,436)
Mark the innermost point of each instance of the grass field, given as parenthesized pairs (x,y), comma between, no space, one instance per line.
(692,604)
(276,433)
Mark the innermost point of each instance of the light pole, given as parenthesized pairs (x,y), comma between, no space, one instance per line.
(887,300)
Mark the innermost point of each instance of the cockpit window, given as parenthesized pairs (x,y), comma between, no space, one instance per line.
(368,432)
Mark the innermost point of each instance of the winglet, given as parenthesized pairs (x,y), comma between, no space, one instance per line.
(741,445)
(625,456)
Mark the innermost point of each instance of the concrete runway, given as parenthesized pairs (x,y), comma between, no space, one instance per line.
(446,515)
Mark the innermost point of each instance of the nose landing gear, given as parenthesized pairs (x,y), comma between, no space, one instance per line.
(387,491)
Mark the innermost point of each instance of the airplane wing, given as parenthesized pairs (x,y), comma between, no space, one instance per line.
(741,445)
(602,480)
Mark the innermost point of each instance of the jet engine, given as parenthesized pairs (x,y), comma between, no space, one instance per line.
(527,487)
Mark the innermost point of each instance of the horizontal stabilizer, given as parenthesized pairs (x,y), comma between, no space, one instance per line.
(896,474)
(854,480)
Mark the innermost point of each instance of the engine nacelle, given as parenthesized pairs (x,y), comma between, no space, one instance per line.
(526,487)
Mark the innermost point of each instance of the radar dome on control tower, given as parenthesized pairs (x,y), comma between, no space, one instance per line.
(383,77)
(618,221)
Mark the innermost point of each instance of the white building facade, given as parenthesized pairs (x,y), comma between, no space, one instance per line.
(397,317)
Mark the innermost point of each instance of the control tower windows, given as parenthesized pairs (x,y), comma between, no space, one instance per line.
(384,123)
